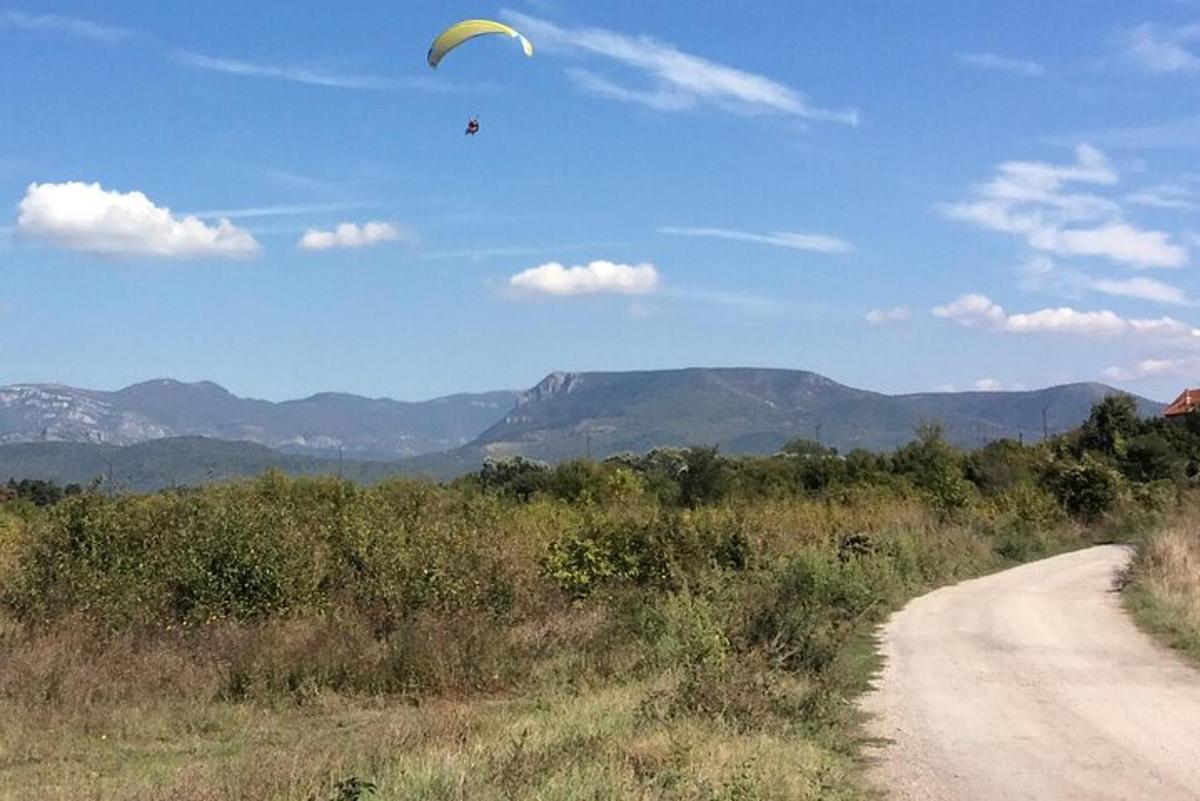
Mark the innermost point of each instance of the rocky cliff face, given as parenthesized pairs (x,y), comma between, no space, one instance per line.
(327,424)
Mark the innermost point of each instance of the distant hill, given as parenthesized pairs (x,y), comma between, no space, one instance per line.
(162,463)
(321,425)
(569,415)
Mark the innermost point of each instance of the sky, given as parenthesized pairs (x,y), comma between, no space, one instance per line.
(279,196)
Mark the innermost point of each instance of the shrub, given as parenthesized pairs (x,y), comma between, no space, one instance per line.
(1150,457)
(705,478)
(1000,466)
(514,476)
(935,467)
(1088,488)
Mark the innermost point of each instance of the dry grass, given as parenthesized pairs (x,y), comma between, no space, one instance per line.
(1164,589)
(595,743)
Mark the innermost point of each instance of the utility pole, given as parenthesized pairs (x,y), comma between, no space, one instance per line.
(339,463)
(110,479)
(1045,427)
(818,427)
(589,446)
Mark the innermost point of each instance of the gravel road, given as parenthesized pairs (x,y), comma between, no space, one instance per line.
(1033,684)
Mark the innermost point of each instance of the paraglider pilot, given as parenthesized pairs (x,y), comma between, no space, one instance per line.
(472,126)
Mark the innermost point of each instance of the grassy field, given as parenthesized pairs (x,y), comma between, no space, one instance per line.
(1164,586)
(308,639)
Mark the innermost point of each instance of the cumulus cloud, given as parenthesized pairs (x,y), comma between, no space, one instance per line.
(595,278)
(792,240)
(678,81)
(896,314)
(72,26)
(979,311)
(991,61)
(973,310)
(91,219)
(351,235)
(988,385)
(1031,200)
(1162,49)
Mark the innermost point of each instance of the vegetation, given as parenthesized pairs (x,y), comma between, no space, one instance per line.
(677,625)
(1164,588)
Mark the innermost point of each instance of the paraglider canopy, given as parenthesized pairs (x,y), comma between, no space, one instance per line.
(455,35)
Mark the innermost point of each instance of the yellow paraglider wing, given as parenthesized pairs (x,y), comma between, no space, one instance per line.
(455,35)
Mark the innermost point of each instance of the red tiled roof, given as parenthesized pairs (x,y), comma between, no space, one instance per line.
(1185,403)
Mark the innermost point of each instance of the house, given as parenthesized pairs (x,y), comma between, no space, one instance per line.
(1186,403)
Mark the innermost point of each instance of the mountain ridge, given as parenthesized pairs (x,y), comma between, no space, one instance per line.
(565,415)
(323,424)
(753,410)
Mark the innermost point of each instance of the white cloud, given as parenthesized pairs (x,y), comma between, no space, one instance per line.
(1165,196)
(991,61)
(1153,368)
(784,239)
(314,76)
(896,314)
(255,212)
(973,311)
(988,385)
(72,26)
(979,311)
(88,218)
(678,80)
(1031,200)
(1142,289)
(1117,241)
(352,235)
(1065,320)
(1158,48)
(1040,273)
(598,277)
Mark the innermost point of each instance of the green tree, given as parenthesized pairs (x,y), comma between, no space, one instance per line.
(515,476)
(1112,423)
(1088,488)
(705,478)
(934,466)
(1150,457)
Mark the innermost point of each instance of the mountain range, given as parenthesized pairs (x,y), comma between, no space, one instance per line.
(170,430)
(324,425)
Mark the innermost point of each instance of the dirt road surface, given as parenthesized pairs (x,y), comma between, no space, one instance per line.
(1033,684)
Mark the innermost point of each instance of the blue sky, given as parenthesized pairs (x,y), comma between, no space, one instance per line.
(279,197)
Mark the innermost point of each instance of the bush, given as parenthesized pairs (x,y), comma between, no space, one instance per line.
(705,477)
(1150,457)
(1088,488)
(1000,466)
(515,476)
(934,466)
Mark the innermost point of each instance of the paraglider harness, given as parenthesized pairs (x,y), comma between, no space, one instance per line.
(472,126)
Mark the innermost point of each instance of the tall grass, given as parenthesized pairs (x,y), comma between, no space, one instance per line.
(1164,586)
